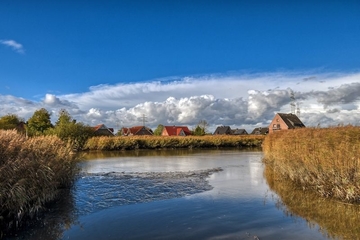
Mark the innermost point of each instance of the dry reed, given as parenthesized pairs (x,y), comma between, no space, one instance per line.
(325,160)
(31,173)
(158,142)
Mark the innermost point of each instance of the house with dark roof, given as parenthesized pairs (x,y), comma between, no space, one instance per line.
(285,121)
(175,131)
(136,131)
(238,131)
(260,131)
(222,130)
(102,130)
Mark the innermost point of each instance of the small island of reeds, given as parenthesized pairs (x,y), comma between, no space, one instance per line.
(325,160)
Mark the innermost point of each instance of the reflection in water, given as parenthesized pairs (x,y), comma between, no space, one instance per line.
(52,223)
(336,220)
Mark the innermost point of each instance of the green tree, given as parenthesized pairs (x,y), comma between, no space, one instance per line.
(64,118)
(159,130)
(39,122)
(69,131)
(10,121)
(199,131)
(203,124)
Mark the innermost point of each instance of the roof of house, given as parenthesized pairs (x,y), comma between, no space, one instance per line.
(223,130)
(101,129)
(260,131)
(176,130)
(291,120)
(135,130)
(238,131)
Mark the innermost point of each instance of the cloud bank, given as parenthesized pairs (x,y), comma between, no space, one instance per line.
(239,100)
(17,47)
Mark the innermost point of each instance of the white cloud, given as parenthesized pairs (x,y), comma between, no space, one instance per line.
(17,47)
(244,101)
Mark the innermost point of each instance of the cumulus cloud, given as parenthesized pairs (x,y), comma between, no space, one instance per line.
(243,101)
(17,47)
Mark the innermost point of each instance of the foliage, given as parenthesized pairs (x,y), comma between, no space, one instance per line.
(69,131)
(39,122)
(158,131)
(157,142)
(32,170)
(324,160)
(199,131)
(9,122)
(203,124)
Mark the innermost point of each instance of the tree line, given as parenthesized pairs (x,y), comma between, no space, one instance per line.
(39,124)
(66,128)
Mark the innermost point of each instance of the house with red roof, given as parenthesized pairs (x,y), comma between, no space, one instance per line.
(176,131)
(102,130)
(136,131)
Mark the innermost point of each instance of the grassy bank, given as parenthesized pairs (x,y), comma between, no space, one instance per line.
(32,171)
(324,160)
(158,142)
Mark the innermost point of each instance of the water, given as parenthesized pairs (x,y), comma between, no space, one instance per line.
(188,194)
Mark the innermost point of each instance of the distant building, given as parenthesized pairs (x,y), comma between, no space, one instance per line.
(239,132)
(102,130)
(285,121)
(260,131)
(136,131)
(222,130)
(175,131)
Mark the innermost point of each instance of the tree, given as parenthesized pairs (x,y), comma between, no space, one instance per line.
(69,131)
(199,131)
(10,121)
(39,122)
(203,124)
(159,130)
(64,118)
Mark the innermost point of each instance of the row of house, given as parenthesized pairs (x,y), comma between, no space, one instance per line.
(281,121)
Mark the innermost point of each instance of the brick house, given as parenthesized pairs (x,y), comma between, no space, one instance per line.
(260,131)
(222,130)
(136,131)
(176,131)
(285,121)
(102,130)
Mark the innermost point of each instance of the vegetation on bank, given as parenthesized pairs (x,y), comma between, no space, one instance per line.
(325,160)
(32,172)
(158,142)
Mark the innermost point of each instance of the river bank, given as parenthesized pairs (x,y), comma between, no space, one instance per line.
(324,160)
(161,142)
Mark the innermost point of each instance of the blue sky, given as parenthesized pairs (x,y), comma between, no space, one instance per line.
(112,61)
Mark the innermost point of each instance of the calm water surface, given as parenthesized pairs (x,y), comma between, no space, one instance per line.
(183,195)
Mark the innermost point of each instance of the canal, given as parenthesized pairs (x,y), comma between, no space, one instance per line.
(188,194)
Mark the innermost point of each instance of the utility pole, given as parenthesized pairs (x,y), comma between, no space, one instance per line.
(144,119)
(292,103)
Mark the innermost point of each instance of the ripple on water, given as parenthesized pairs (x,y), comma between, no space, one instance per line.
(97,191)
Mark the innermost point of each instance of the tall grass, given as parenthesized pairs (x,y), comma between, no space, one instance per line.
(31,173)
(324,160)
(158,142)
